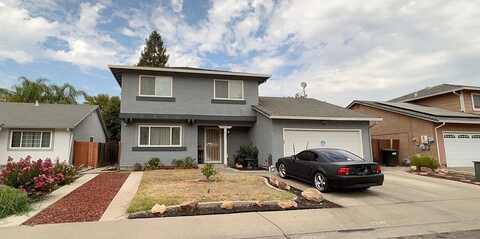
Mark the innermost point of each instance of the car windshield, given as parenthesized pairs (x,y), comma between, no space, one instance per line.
(337,155)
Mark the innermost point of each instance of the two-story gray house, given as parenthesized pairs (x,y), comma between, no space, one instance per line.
(177,112)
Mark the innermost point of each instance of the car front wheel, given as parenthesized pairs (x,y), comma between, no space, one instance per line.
(282,170)
(321,182)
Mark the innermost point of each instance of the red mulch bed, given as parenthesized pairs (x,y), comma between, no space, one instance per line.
(84,204)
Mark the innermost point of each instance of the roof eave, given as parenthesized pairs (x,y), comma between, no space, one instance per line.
(436,94)
(324,118)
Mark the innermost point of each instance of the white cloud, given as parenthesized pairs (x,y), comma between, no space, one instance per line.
(22,35)
(177,5)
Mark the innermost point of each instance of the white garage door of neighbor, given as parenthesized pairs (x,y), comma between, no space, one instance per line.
(461,148)
(296,140)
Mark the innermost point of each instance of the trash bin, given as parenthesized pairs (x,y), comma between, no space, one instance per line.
(476,165)
(390,157)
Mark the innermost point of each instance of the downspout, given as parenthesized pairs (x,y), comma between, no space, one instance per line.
(436,140)
(71,146)
(462,100)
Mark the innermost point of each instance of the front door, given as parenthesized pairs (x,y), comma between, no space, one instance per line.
(212,145)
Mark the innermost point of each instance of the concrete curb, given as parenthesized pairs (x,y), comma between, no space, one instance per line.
(117,209)
(50,199)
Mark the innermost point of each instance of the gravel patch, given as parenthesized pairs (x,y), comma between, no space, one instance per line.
(86,203)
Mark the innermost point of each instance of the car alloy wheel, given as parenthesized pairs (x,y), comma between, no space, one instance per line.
(320,182)
(282,170)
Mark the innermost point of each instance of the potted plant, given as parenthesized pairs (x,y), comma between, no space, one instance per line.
(247,156)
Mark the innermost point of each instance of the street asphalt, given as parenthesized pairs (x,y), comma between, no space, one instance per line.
(407,205)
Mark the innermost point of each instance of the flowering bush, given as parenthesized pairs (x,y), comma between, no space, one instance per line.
(36,178)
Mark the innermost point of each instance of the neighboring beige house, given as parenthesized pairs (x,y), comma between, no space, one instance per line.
(442,121)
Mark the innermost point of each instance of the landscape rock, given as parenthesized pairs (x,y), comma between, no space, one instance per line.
(258,203)
(227,205)
(287,204)
(312,194)
(283,185)
(189,206)
(426,170)
(413,168)
(157,208)
(274,181)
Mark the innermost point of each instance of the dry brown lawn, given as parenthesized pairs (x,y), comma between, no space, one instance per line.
(171,187)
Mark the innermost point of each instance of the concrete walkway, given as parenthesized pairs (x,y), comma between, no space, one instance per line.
(406,205)
(50,199)
(118,207)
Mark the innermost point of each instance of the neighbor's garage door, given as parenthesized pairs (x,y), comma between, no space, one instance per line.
(296,140)
(461,148)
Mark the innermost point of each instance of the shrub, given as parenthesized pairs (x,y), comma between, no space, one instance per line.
(179,163)
(420,161)
(208,171)
(137,167)
(153,163)
(37,178)
(68,171)
(189,163)
(247,155)
(12,201)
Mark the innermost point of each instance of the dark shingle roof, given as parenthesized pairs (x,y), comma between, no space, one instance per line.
(117,71)
(289,107)
(423,112)
(28,115)
(430,91)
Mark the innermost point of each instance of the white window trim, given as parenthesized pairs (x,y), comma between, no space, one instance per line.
(21,138)
(228,90)
(160,126)
(155,77)
(473,101)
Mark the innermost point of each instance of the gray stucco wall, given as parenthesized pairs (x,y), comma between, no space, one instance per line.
(192,96)
(278,125)
(261,135)
(90,127)
(238,136)
(129,139)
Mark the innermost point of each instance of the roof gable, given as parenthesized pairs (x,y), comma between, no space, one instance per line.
(29,115)
(433,91)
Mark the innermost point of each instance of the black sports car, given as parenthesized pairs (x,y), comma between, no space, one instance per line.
(331,169)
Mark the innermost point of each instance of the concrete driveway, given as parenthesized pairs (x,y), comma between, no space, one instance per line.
(406,205)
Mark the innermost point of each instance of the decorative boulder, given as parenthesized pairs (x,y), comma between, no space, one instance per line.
(287,204)
(312,194)
(227,205)
(283,185)
(157,208)
(274,181)
(426,170)
(189,206)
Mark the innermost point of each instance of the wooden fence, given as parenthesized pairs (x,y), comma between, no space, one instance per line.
(91,154)
(379,144)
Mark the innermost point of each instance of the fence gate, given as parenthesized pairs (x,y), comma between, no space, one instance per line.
(85,154)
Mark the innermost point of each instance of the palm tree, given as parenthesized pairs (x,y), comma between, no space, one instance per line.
(29,91)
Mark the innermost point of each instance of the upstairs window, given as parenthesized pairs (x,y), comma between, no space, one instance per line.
(476,101)
(228,89)
(159,136)
(160,86)
(30,139)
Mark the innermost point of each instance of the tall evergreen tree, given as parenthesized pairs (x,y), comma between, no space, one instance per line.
(154,53)
(110,108)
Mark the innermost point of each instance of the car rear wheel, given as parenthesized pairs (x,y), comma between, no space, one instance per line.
(282,170)
(321,182)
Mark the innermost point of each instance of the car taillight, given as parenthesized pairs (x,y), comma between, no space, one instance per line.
(378,169)
(343,171)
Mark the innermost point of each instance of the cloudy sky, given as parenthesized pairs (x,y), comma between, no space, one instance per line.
(343,49)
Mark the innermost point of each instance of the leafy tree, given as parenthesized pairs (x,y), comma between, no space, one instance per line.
(29,91)
(110,108)
(154,53)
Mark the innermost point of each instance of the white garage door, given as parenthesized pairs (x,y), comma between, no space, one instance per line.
(461,148)
(296,140)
